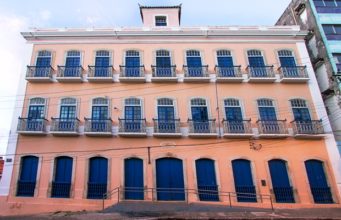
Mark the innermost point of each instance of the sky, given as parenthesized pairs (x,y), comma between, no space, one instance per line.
(19,15)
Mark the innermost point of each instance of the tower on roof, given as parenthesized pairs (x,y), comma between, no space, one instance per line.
(161,16)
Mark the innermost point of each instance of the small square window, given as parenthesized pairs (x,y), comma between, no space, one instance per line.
(160,21)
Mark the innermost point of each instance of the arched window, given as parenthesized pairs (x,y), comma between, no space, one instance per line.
(206,180)
(61,184)
(133,119)
(318,181)
(225,63)
(100,109)
(266,110)
(132,63)
(163,63)
(256,63)
(280,181)
(243,181)
(68,108)
(102,64)
(165,109)
(98,177)
(43,64)
(199,109)
(36,109)
(300,110)
(194,63)
(72,64)
(28,176)
(286,58)
(233,110)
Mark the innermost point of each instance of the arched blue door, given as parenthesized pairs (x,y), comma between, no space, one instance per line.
(133,178)
(280,181)
(170,179)
(318,182)
(28,176)
(62,179)
(206,180)
(243,181)
(98,177)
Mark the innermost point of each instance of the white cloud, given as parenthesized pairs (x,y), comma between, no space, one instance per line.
(45,15)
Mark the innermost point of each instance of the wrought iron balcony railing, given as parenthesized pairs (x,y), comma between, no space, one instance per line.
(272,127)
(293,72)
(166,126)
(312,127)
(237,126)
(96,190)
(233,71)
(60,190)
(261,72)
(132,125)
(199,71)
(39,72)
(100,71)
(98,125)
(164,71)
(32,125)
(200,127)
(132,71)
(246,194)
(26,188)
(322,195)
(70,71)
(208,193)
(65,124)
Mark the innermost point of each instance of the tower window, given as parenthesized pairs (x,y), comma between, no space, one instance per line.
(160,21)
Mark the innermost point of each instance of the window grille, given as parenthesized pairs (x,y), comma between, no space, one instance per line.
(198,101)
(44,53)
(100,101)
(193,53)
(265,102)
(132,101)
(160,21)
(298,103)
(102,53)
(223,53)
(68,101)
(162,53)
(285,53)
(37,101)
(231,102)
(165,101)
(132,53)
(73,53)
(254,53)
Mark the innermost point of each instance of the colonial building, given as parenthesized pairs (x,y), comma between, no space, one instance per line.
(225,115)
(322,18)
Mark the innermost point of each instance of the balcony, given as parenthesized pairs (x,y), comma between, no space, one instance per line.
(26,188)
(297,74)
(196,74)
(237,129)
(328,10)
(60,190)
(132,74)
(70,74)
(263,74)
(98,127)
(29,126)
(132,127)
(164,74)
(272,129)
(100,74)
(308,129)
(167,128)
(202,129)
(229,74)
(39,74)
(64,127)
(96,190)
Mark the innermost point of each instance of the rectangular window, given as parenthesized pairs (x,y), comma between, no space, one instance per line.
(160,21)
(328,29)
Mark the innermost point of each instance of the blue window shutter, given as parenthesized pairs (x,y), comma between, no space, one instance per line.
(242,173)
(267,113)
(233,113)
(279,174)
(225,62)
(287,61)
(163,62)
(194,62)
(29,168)
(256,62)
(72,62)
(133,178)
(63,170)
(205,172)
(169,175)
(102,62)
(98,170)
(315,172)
(199,113)
(301,114)
(165,113)
(43,61)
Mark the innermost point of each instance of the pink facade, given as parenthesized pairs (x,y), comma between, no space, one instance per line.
(122,109)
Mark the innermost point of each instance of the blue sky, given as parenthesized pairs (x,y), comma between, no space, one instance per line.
(20,15)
